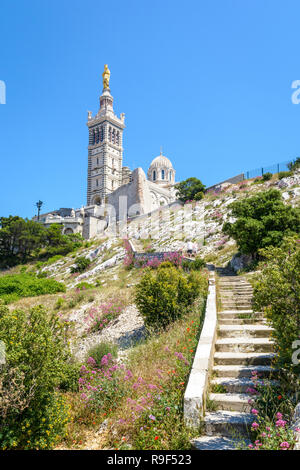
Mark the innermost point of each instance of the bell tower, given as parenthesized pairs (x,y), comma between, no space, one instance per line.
(105,149)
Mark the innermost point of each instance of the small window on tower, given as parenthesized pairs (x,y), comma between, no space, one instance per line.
(162,174)
(170,176)
(96,182)
(154,175)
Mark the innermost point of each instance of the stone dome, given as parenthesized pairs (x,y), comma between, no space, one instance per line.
(161,161)
(161,171)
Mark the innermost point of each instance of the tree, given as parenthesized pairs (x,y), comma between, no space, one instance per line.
(190,189)
(277,292)
(18,238)
(23,239)
(262,220)
(293,166)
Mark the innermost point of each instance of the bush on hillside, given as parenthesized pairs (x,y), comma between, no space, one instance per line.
(277,292)
(293,166)
(163,295)
(81,265)
(267,176)
(190,189)
(16,286)
(261,220)
(284,174)
(32,414)
(193,265)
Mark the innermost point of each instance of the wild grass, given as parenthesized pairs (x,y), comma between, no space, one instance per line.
(148,413)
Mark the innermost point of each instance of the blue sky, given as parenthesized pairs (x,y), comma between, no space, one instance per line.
(209,81)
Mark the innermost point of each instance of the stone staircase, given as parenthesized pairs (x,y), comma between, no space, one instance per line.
(243,346)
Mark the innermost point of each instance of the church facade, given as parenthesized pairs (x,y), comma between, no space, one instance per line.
(114,192)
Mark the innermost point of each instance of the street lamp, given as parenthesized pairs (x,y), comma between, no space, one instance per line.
(39,205)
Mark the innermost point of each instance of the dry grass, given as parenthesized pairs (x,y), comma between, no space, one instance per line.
(164,376)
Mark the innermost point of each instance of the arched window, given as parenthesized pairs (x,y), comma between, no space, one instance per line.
(162,174)
(170,175)
(154,175)
(109,134)
(101,134)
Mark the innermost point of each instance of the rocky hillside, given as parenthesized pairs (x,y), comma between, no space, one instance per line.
(167,229)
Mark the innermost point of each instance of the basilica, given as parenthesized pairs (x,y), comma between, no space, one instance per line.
(114,192)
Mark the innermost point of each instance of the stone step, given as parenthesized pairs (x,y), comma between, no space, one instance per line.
(240,316)
(235,282)
(233,331)
(231,385)
(227,423)
(242,344)
(230,311)
(240,358)
(231,401)
(237,371)
(217,442)
(237,292)
(234,306)
(236,299)
(239,321)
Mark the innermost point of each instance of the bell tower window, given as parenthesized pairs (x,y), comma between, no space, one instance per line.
(154,175)
(162,174)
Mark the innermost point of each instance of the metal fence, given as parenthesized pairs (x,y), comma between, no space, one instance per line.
(276,168)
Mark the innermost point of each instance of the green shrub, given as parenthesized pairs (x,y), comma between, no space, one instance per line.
(33,415)
(294,165)
(59,303)
(83,286)
(15,286)
(53,259)
(97,352)
(42,274)
(195,265)
(267,176)
(261,220)
(69,383)
(164,294)
(81,265)
(284,174)
(277,292)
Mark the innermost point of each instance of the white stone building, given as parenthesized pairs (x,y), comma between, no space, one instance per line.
(113,191)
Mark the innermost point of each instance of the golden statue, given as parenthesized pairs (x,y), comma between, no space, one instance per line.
(106,77)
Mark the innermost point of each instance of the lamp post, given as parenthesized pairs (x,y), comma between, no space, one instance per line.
(39,205)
